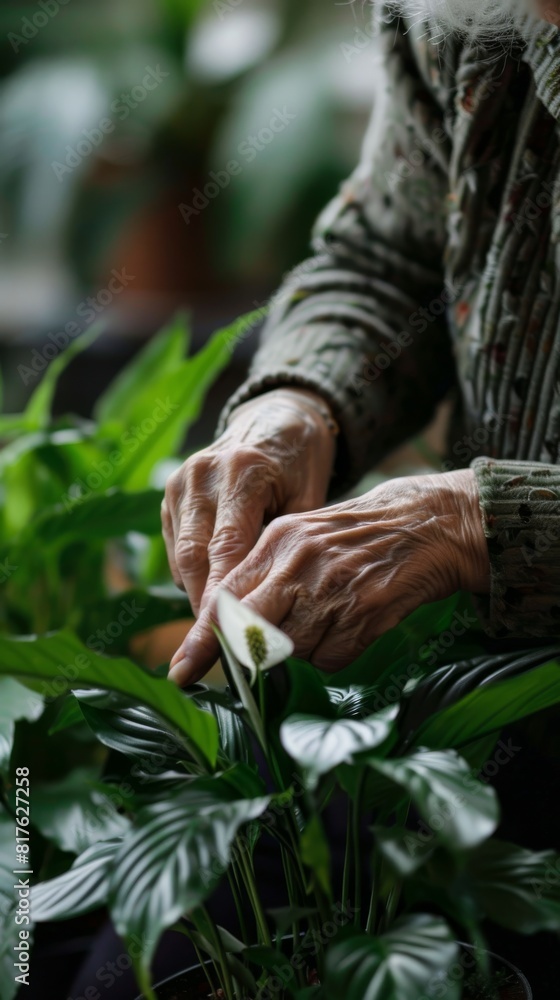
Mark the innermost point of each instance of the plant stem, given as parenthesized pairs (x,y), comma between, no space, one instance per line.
(204,967)
(253,894)
(228,987)
(392,904)
(356,813)
(347,854)
(232,878)
(262,701)
(372,903)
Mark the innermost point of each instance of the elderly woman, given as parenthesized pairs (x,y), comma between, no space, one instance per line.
(439,268)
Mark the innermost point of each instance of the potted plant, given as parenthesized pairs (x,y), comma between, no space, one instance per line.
(204,774)
(198,821)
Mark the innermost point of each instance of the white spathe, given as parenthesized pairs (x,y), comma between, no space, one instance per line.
(235,618)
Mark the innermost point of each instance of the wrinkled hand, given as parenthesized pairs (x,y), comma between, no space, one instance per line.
(275,457)
(336,578)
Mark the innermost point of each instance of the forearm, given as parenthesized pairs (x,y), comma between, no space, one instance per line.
(363,323)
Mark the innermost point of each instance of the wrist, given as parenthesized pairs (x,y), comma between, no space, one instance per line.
(296,394)
(472,558)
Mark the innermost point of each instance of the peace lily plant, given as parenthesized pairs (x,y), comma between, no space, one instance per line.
(148,799)
(267,755)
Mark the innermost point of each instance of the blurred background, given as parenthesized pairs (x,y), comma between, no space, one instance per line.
(119,122)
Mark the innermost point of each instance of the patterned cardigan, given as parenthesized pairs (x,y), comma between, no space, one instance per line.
(438,266)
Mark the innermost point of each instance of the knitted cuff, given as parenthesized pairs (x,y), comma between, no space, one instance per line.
(520,503)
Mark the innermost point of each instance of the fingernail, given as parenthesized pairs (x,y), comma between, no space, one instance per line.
(179,672)
(178,657)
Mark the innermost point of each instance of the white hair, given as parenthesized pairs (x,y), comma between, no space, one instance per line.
(492,22)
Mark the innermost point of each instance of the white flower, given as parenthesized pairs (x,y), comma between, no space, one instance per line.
(256,643)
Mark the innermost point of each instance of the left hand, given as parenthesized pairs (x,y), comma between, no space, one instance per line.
(336,578)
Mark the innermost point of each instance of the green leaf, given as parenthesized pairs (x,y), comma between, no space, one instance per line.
(458,809)
(84,887)
(271,959)
(516,888)
(398,650)
(100,516)
(70,715)
(174,858)
(319,745)
(488,709)
(355,701)
(72,814)
(136,732)
(38,410)
(231,946)
(408,962)
(284,917)
(235,743)
(315,852)
(171,401)
(405,850)
(161,355)
(12,424)
(62,662)
(16,702)
(452,683)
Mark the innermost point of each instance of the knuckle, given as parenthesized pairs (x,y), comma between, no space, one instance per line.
(226,541)
(190,552)
(280,528)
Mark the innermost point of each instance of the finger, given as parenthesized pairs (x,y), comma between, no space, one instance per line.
(197,654)
(169,539)
(194,528)
(238,524)
(200,648)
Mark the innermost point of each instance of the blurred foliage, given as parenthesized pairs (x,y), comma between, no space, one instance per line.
(228,65)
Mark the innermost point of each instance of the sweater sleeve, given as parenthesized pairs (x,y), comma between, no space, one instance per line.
(520,503)
(363,321)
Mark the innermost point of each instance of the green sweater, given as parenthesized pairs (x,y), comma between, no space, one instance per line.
(438,265)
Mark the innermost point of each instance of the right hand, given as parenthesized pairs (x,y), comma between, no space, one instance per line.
(275,457)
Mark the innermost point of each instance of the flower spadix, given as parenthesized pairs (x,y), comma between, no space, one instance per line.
(256,643)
